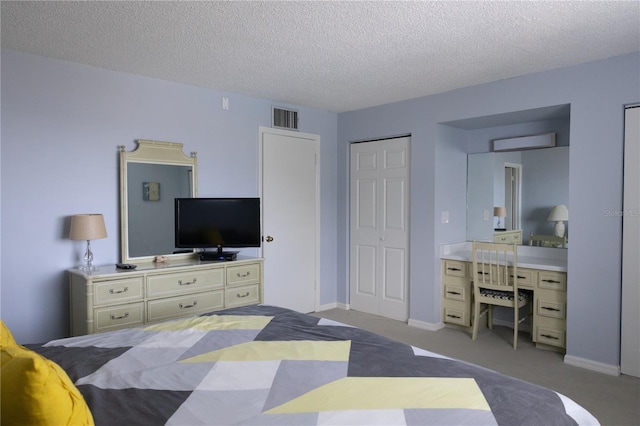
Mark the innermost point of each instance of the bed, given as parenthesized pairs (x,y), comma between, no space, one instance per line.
(264,365)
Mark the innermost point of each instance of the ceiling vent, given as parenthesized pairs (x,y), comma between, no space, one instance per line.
(284,118)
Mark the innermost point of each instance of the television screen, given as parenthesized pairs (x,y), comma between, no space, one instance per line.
(217,222)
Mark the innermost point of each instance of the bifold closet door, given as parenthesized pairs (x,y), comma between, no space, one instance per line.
(379,227)
(630,338)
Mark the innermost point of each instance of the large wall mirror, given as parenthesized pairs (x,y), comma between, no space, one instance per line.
(533,180)
(151,177)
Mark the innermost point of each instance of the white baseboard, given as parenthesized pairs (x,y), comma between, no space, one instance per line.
(600,367)
(426,325)
(332,306)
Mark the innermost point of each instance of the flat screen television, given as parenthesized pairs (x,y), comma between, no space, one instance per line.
(205,223)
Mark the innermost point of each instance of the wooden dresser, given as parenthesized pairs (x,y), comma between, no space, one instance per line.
(109,298)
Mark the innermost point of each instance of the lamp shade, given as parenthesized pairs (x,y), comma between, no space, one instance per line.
(558,213)
(87,227)
(500,211)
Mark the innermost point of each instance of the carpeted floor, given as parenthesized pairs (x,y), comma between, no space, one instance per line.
(613,400)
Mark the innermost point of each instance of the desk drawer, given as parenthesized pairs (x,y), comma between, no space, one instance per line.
(455,291)
(117,317)
(183,282)
(118,291)
(552,280)
(455,315)
(550,336)
(245,295)
(243,274)
(182,306)
(455,268)
(551,309)
(526,277)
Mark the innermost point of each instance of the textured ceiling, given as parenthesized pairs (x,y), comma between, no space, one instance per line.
(336,56)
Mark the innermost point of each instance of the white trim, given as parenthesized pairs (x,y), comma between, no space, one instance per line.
(334,305)
(430,326)
(600,367)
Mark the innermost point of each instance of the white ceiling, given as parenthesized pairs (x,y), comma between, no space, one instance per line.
(335,56)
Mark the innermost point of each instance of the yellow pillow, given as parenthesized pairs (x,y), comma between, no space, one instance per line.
(37,391)
(7,337)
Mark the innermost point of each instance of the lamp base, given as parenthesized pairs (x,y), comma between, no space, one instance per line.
(558,229)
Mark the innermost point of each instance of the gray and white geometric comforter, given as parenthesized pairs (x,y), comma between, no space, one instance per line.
(263,365)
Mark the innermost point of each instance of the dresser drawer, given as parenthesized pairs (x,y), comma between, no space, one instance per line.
(552,280)
(181,306)
(455,268)
(243,295)
(184,282)
(243,274)
(118,291)
(115,317)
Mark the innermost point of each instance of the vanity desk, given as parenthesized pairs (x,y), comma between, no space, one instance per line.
(541,270)
(109,298)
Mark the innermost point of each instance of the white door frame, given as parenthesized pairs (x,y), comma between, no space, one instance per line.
(516,196)
(316,138)
(630,317)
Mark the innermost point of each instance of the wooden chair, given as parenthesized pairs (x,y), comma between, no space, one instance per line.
(495,282)
(539,240)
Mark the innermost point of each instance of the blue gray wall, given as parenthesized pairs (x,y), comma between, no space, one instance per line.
(596,93)
(62,124)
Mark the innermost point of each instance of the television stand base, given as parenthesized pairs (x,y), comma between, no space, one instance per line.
(218,255)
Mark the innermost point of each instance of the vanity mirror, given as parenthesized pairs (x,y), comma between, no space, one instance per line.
(151,177)
(528,182)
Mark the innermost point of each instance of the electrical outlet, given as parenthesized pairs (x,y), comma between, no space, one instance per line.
(225,102)
(486,215)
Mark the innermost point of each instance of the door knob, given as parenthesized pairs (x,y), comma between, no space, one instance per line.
(269,238)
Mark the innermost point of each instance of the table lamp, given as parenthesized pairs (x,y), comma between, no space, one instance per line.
(559,214)
(500,212)
(87,227)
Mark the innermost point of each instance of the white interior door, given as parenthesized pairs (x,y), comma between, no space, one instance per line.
(290,212)
(379,222)
(630,339)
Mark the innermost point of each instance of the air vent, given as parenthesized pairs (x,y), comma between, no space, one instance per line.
(285,118)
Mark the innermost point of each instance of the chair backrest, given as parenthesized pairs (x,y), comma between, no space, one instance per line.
(495,266)
(540,240)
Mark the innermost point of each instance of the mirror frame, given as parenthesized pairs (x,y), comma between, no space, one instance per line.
(151,152)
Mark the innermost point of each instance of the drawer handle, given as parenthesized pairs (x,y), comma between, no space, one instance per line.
(124,290)
(550,309)
(548,336)
(187,282)
(239,275)
(454,316)
(551,281)
(181,306)
(482,273)
(242,295)
(457,293)
(113,317)
(454,269)
(519,277)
